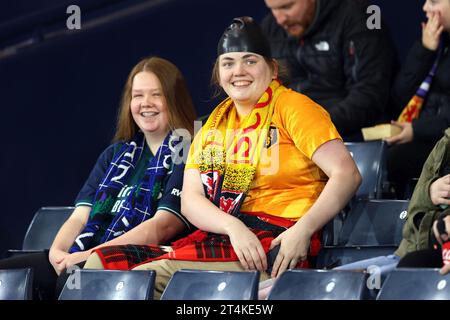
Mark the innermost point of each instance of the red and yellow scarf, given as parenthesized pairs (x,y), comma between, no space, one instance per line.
(230,153)
(414,106)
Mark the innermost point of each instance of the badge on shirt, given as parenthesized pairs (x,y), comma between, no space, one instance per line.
(272,137)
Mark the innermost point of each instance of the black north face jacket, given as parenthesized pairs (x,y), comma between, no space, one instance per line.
(339,62)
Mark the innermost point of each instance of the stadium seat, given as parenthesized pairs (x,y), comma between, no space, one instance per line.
(16,284)
(43,229)
(374,223)
(212,285)
(85,284)
(370,160)
(331,230)
(415,284)
(311,284)
(331,257)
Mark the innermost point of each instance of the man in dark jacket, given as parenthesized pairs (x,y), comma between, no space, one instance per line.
(334,58)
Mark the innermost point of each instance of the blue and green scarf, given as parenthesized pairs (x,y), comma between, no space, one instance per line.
(140,204)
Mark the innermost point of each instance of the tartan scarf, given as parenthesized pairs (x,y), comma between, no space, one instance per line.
(140,203)
(229,156)
(414,106)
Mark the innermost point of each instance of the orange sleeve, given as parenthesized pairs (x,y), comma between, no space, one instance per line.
(307,123)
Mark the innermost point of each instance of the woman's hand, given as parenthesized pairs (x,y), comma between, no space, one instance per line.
(405,136)
(294,245)
(440,191)
(431,31)
(68,260)
(76,257)
(56,258)
(247,246)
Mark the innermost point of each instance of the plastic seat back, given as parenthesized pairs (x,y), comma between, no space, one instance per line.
(374,223)
(212,285)
(320,285)
(370,160)
(85,284)
(415,284)
(16,284)
(44,227)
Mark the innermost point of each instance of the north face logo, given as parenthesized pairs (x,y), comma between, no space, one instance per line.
(322,46)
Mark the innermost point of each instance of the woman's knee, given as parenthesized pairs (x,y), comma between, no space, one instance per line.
(93,262)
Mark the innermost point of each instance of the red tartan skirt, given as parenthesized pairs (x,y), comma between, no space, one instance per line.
(198,246)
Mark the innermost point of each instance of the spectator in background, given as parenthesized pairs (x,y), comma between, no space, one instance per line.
(422,241)
(429,208)
(128,196)
(423,86)
(267,171)
(334,58)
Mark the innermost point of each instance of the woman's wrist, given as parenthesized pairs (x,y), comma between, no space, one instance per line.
(304,227)
(231,224)
(54,250)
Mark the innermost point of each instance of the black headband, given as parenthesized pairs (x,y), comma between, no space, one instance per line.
(244,35)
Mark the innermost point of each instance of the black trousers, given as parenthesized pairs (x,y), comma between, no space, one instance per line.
(429,258)
(405,162)
(47,285)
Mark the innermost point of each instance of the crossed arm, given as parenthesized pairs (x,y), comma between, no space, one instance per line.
(160,228)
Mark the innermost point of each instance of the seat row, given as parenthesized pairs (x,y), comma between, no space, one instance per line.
(369,229)
(401,284)
(366,223)
(369,157)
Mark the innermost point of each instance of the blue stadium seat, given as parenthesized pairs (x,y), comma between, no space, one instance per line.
(212,285)
(320,285)
(370,158)
(43,228)
(16,284)
(85,284)
(330,257)
(374,223)
(415,284)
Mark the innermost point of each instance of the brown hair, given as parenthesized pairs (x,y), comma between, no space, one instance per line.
(179,102)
